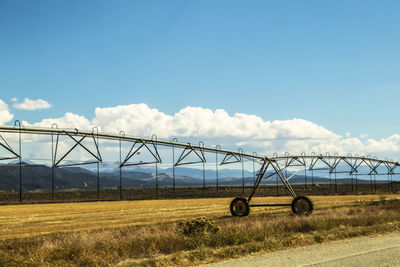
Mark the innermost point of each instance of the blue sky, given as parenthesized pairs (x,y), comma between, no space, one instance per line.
(334,63)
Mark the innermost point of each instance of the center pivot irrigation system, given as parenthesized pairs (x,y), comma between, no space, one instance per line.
(240,206)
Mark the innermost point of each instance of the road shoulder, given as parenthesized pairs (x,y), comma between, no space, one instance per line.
(381,249)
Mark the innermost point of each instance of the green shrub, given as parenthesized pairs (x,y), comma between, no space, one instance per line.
(319,238)
(197,226)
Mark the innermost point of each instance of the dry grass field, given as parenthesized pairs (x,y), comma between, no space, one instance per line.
(146,232)
(38,219)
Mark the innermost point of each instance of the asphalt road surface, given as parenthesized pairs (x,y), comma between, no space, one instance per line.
(383,250)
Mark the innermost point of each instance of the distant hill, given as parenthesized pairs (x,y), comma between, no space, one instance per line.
(38,177)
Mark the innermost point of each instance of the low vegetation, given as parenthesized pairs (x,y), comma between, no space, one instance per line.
(198,226)
(185,238)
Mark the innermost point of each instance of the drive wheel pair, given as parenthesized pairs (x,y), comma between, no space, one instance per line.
(301,206)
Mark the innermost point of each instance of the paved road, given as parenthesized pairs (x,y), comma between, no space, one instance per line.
(365,251)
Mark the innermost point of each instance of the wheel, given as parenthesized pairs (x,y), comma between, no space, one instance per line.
(302,205)
(240,207)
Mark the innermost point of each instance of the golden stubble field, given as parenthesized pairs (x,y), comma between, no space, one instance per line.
(18,221)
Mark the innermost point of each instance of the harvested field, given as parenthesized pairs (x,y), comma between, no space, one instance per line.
(38,219)
(148,233)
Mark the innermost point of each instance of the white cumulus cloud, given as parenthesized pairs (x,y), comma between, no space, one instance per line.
(218,127)
(69,120)
(29,104)
(5,115)
(139,119)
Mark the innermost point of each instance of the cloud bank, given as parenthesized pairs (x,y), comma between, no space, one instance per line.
(5,115)
(218,127)
(29,104)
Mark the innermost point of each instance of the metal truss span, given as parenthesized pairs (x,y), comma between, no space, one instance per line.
(269,166)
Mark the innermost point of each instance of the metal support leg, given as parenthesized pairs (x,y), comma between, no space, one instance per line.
(173,171)
(242,178)
(356,184)
(156,180)
(335,183)
(204,180)
(370,182)
(120,172)
(305,177)
(154,138)
(312,180)
(20,159)
(216,169)
(52,166)
(260,175)
(173,167)
(278,171)
(98,181)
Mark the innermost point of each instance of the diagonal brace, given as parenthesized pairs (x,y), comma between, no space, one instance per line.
(77,142)
(188,150)
(8,148)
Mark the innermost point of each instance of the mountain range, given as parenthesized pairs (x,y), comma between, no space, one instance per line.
(38,177)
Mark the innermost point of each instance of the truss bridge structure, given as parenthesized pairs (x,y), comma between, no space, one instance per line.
(64,142)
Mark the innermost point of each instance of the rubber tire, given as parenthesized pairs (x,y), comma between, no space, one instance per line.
(302,198)
(246,207)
